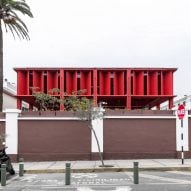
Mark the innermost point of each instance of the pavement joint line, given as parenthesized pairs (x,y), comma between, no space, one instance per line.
(95,164)
(72,163)
(159,162)
(51,164)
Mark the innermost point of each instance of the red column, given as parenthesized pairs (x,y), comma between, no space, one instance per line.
(62,87)
(88,83)
(27,83)
(107,83)
(153,81)
(95,87)
(162,83)
(139,82)
(74,80)
(168,83)
(128,100)
(119,83)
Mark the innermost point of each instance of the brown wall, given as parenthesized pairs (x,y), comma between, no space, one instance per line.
(2,131)
(189,136)
(139,138)
(54,140)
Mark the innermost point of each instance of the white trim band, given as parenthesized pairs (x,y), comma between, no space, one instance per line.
(48,118)
(139,117)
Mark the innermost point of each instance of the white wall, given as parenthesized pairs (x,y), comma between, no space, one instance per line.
(9,102)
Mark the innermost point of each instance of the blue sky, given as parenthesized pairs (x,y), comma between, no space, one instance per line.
(105,33)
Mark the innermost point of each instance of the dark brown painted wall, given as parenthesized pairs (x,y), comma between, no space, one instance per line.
(123,138)
(2,131)
(54,140)
(139,138)
(189,135)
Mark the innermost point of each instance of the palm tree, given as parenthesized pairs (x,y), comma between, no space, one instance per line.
(12,23)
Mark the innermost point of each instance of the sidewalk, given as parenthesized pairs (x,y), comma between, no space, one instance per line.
(118,165)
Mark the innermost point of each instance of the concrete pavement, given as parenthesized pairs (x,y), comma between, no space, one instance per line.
(117,165)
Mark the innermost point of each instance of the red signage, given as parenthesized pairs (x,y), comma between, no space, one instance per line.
(181,111)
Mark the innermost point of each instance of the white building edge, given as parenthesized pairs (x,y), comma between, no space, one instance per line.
(10,96)
(186,100)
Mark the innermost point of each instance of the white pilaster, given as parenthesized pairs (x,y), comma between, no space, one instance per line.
(11,130)
(97,125)
(182,131)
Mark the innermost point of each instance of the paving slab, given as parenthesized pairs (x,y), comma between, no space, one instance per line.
(110,165)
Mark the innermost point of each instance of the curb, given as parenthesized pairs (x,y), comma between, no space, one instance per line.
(86,170)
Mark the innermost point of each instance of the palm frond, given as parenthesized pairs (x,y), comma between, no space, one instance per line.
(19,30)
(20,22)
(11,19)
(12,30)
(22,31)
(5,27)
(20,6)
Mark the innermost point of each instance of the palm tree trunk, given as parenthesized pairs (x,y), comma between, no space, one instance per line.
(1,68)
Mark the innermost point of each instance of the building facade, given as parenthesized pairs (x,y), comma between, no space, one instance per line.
(123,88)
(9,95)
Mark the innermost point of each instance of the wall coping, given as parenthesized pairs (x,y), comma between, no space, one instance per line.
(12,111)
(48,118)
(140,117)
(105,117)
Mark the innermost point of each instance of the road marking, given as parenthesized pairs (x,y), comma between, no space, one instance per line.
(97,181)
(120,188)
(111,188)
(179,172)
(166,179)
(84,175)
(84,189)
(28,179)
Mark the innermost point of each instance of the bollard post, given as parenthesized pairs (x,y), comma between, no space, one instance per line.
(67,174)
(3,174)
(21,167)
(136,172)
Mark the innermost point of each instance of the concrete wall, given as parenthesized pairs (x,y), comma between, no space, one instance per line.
(9,101)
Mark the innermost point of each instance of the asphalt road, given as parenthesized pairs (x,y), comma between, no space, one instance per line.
(118,181)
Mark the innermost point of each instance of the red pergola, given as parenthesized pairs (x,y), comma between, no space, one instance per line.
(130,88)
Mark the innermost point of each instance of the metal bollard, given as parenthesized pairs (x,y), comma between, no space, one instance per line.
(67,174)
(3,174)
(136,173)
(21,167)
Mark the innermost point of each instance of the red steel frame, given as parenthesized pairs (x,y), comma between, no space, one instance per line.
(130,88)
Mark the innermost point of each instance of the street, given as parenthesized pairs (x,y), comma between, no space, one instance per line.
(118,181)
